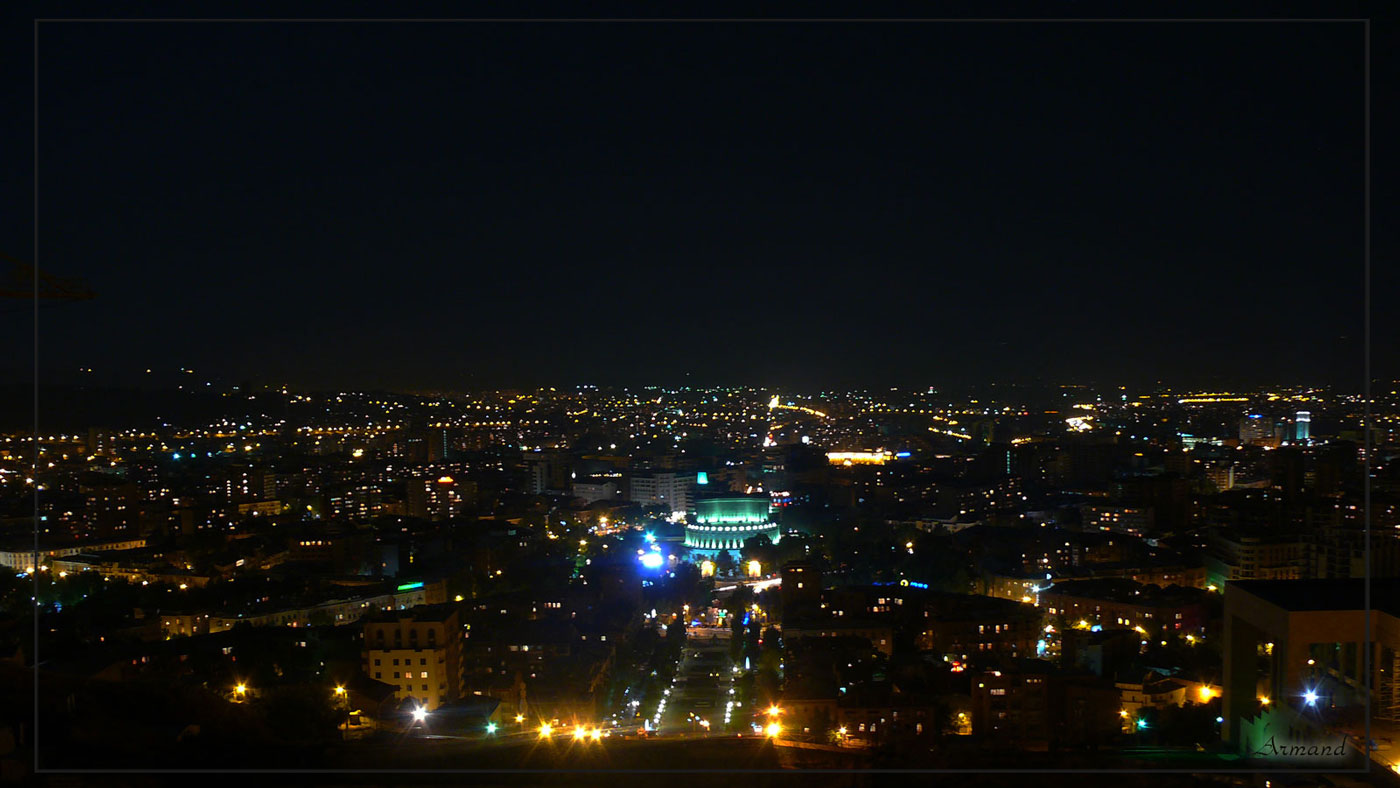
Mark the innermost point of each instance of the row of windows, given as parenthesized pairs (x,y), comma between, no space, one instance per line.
(409,687)
(407,674)
(421,661)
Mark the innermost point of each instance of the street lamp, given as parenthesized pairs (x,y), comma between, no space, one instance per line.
(420,714)
(773,730)
(545,730)
(490,728)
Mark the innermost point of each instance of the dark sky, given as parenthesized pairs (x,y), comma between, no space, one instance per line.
(447,205)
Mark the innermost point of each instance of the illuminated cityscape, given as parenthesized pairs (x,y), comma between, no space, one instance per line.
(1147,567)
(775,397)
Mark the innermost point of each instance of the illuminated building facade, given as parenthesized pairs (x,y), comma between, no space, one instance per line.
(663,488)
(724,523)
(434,499)
(1258,430)
(419,652)
(849,458)
(1302,426)
(1294,657)
(1120,519)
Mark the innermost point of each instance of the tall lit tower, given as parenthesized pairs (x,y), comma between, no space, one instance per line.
(1303,426)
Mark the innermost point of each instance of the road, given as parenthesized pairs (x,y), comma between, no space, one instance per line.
(701,687)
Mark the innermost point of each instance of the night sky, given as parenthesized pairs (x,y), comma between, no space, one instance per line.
(451,205)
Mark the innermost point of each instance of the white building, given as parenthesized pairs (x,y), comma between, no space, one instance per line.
(675,491)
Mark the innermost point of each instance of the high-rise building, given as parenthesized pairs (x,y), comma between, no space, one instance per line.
(1044,705)
(434,499)
(112,507)
(1134,520)
(598,487)
(547,471)
(1260,430)
(1265,553)
(418,652)
(801,590)
(1295,658)
(1221,473)
(663,488)
(355,501)
(438,445)
(1302,426)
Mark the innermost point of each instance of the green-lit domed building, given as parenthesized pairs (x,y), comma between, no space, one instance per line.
(724,522)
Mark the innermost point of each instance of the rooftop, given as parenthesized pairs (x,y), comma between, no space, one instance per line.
(1345,594)
(1125,590)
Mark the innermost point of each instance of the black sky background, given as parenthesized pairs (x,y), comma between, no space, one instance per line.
(429,205)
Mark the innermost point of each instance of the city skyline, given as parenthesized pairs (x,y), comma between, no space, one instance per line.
(672,576)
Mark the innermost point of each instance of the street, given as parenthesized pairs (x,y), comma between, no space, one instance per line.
(696,700)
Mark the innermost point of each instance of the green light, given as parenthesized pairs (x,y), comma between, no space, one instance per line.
(410,586)
(702,478)
(490,727)
(1142,724)
(732,511)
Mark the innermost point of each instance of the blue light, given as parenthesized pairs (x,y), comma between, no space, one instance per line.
(177,455)
(746,618)
(1310,697)
(1096,628)
(651,538)
(1040,648)
(1142,724)
(702,478)
(490,727)
(652,560)
(901,455)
